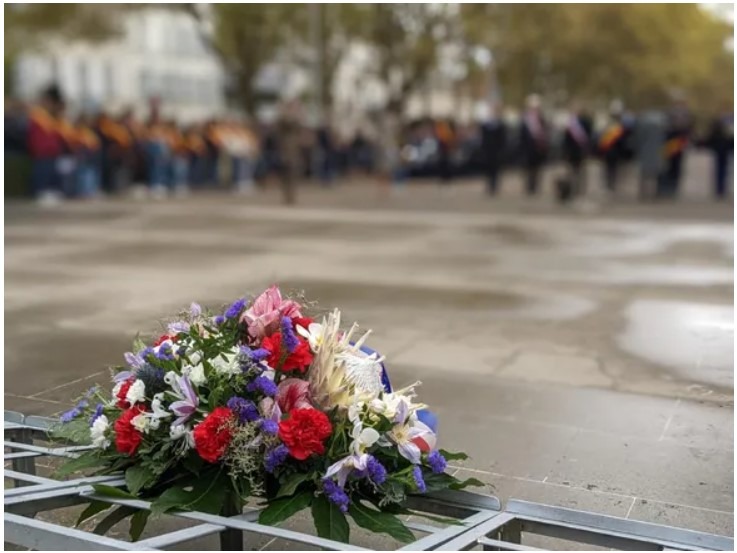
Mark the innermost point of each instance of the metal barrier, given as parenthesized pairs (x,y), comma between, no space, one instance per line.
(481,521)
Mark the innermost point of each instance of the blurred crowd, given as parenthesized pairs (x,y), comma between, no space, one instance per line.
(88,157)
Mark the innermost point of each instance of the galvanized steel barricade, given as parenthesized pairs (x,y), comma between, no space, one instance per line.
(483,524)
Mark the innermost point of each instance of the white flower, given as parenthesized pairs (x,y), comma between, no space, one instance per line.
(363,438)
(170,378)
(227,363)
(363,371)
(97,432)
(195,373)
(141,422)
(180,431)
(136,393)
(313,334)
(116,389)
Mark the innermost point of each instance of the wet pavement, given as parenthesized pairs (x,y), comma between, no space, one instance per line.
(582,359)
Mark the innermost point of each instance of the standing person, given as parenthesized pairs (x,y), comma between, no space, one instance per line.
(721,142)
(576,147)
(213,137)
(134,170)
(393,172)
(679,130)
(158,156)
(534,142)
(446,138)
(612,144)
(326,154)
(115,148)
(89,159)
(45,146)
(648,141)
(493,146)
(179,174)
(289,134)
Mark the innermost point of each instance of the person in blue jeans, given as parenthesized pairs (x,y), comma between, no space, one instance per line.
(158,158)
(45,145)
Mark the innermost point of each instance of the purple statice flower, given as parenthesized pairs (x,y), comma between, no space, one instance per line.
(437,462)
(122,376)
(96,414)
(255,355)
(74,412)
(235,308)
(195,310)
(336,495)
(269,426)
(145,352)
(177,326)
(276,457)
(376,471)
(288,338)
(165,352)
(262,384)
(218,320)
(419,480)
(245,409)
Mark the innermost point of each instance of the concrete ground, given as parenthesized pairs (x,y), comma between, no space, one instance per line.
(582,355)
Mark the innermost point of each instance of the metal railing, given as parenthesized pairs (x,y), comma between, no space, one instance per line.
(481,521)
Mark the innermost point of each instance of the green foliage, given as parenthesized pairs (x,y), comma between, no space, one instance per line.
(138,477)
(138,524)
(330,522)
(280,510)
(450,456)
(378,521)
(207,494)
(87,460)
(91,510)
(290,485)
(113,518)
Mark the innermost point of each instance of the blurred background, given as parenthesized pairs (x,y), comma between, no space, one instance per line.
(166,98)
(531,205)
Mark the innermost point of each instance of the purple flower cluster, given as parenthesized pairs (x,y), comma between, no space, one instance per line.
(289,340)
(262,384)
(97,414)
(276,457)
(165,352)
(74,412)
(419,480)
(218,320)
(235,309)
(376,471)
(336,495)
(245,409)
(437,462)
(269,426)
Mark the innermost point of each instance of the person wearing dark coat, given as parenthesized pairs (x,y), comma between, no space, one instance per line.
(534,142)
(493,147)
(613,144)
(576,147)
(720,141)
(679,130)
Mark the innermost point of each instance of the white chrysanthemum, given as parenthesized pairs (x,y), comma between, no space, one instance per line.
(136,393)
(179,431)
(227,363)
(141,422)
(97,432)
(195,373)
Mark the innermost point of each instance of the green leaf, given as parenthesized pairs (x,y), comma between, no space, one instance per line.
(138,524)
(449,456)
(110,491)
(377,521)
(76,431)
(113,518)
(87,460)
(281,509)
(204,494)
(92,509)
(290,486)
(459,485)
(138,477)
(138,344)
(330,523)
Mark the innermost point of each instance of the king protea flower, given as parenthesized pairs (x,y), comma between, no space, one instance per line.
(339,369)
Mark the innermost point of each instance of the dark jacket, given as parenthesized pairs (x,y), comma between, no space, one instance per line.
(533,149)
(577,146)
(494,143)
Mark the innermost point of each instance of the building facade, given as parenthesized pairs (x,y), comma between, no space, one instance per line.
(159,54)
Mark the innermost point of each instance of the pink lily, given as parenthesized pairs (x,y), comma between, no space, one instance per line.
(264,315)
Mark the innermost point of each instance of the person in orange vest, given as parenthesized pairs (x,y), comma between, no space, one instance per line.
(445,135)
(680,124)
(89,162)
(45,145)
(115,150)
(612,144)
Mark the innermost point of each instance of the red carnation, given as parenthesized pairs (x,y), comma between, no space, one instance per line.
(212,436)
(122,403)
(299,359)
(304,432)
(127,438)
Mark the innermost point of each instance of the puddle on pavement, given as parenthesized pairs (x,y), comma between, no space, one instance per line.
(694,340)
(408,299)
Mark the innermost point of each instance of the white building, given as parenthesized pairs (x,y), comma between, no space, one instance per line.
(159,55)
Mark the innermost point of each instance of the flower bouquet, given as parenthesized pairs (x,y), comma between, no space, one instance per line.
(261,402)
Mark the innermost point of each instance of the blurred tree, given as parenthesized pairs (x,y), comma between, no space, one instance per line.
(30,26)
(638,52)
